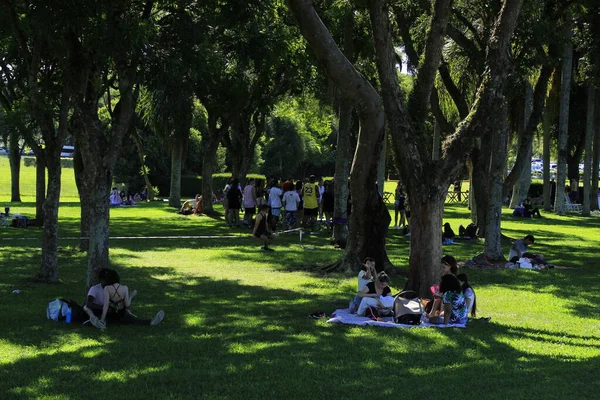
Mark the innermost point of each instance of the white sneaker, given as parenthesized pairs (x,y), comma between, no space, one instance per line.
(157,318)
(97,323)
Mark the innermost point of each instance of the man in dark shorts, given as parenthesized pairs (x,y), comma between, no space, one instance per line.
(262,230)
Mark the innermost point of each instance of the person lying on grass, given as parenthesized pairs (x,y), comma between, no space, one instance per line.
(262,230)
(365,276)
(112,301)
(455,305)
(373,291)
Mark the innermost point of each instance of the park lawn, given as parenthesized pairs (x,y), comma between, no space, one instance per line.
(236,322)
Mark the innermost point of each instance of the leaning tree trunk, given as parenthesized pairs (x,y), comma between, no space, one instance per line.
(563,129)
(370,220)
(49,265)
(587,163)
(521,187)
(366,202)
(176,165)
(481,157)
(40,186)
(342,172)
(14,159)
(493,234)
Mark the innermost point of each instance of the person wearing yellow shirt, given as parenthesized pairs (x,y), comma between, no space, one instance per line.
(311,202)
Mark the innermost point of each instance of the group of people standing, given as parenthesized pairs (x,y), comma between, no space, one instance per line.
(297,202)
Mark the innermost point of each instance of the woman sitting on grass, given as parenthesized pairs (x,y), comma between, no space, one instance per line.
(455,306)
(365,276)
(117,301)
(469,294)
(372,292)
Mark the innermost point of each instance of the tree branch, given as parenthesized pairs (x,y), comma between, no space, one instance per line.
(454,91)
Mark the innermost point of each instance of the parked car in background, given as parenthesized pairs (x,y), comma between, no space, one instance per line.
(3,151)
(67,151)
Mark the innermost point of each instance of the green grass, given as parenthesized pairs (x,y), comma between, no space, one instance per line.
(236,321)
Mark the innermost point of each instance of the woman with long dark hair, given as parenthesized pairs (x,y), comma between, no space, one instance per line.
(469,294)
(454,304)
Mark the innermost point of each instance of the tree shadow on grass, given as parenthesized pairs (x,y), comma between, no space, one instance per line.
(217,333)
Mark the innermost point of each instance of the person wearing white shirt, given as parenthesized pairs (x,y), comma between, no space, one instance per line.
(291,201)
(275,202)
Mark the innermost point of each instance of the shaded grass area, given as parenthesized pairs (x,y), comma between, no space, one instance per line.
(236,321)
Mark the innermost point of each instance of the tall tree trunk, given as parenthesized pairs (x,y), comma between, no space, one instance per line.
(596,157)
(211,145)
(521,187)
(381,166)
(342,171)
(481,158)
(40,186)
(563,128)
(493,234)
(546,161)
(49,265)
(85,200)
(589,142)
(176,165)
(14,159)
(437,141)
(426,219)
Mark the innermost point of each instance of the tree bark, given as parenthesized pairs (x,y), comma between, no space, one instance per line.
(176,165)
(367,205)
(426,216)
(596,157)
(521,186)
(428,181)
(342,171)
(546,161)
(49,265)
(532,120)
(589,142)
(14,159)
(563,128)
(211,144)
(40,186)
(85,200)
(493,234)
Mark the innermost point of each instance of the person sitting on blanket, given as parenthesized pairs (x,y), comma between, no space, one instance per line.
(113,304)
(448,233)
(530,210)
(455,305)
(469,294)
(372,292)
(365,276)
(192,206)
(449,266)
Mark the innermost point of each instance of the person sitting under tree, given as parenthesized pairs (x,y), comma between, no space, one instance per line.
(261,229)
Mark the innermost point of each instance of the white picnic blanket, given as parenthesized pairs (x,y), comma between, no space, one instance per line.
(343,316)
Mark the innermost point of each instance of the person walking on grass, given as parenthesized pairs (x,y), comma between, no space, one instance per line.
(399,207)
(262,230)
(249,202)
(275,202)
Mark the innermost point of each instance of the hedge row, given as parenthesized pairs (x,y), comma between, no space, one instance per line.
(64,162)
(192,184)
